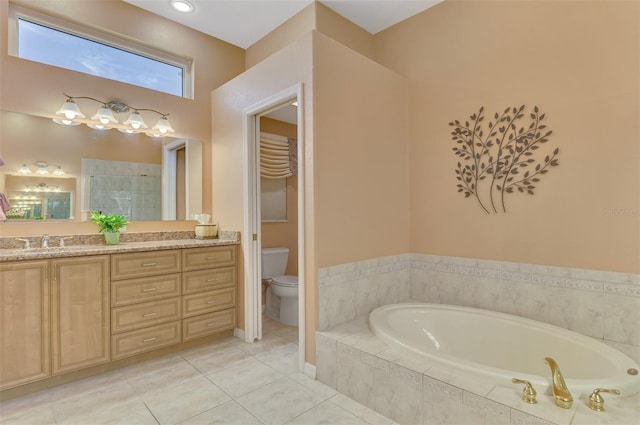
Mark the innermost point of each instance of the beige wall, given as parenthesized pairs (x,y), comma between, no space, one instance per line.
(344,31)
(284,234)
(288,67)
(318,17)
(579,62)
(36,89)
(296,26)
(361,151)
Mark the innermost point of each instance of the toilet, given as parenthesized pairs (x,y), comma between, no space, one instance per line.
(282,291)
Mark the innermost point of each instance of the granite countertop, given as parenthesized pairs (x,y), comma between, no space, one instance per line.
(37,253)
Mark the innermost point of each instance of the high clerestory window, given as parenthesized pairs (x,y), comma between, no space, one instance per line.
(50,41)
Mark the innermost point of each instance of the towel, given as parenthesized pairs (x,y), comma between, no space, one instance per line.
(4,204)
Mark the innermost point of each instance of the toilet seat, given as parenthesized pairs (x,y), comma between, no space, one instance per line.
(286,281)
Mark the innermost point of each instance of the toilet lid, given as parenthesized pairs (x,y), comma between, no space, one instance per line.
(285,280)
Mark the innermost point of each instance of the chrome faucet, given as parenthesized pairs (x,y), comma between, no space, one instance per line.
(561,394)
(45,241)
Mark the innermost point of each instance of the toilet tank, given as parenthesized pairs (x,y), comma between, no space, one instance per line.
(274,262)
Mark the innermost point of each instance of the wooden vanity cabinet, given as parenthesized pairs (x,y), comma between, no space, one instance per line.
(24,323)
(80,313)
(85,314)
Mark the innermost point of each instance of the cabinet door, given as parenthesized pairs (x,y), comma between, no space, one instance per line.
(79,312)
(24,323)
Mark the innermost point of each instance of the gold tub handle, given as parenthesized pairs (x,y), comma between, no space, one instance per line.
(596,402)
(528,392)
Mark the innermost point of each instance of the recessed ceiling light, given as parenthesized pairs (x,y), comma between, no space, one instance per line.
(183,6)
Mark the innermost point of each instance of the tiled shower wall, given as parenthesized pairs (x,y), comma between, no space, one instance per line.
(600,304)
(119,187)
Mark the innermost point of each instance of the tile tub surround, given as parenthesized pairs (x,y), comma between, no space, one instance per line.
(357,364)
(600,304)
(347,291)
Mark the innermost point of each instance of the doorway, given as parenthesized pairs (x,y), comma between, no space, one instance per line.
(271,108)
(181,179)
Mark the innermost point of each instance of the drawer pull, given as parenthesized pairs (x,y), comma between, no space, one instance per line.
(215,257)
(212,324)
(149,339)
(149,314)
(212,301)
(213,279)
(149,264)
(149,289)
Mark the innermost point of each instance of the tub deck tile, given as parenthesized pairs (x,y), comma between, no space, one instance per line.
(365,341)
(466,383)
(416,364)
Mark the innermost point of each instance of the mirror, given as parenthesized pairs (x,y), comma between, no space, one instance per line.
(39,198)
(102,169)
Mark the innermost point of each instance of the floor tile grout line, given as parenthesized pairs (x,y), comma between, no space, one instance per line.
(151,412)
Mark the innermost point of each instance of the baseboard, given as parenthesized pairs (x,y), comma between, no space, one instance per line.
(310,370)
(239,333)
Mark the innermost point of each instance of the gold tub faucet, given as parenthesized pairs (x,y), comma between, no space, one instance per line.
(561,394)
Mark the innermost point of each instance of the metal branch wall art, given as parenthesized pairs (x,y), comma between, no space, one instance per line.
(502,159)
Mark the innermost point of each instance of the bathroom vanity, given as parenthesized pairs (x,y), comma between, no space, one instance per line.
(67,313)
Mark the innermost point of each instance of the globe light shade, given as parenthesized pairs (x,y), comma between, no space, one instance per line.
(163,126)
(104,116)
(135,121)
(70,110)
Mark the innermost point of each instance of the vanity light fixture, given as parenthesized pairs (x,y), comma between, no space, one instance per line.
(40,187)
(183,6)
(42,168)
(69,114)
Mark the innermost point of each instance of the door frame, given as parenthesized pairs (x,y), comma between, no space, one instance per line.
(193,178)
(251,226)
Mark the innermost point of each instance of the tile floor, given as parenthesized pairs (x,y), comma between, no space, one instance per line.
(226,382)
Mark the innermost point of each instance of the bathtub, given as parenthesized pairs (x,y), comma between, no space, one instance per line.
(496,347)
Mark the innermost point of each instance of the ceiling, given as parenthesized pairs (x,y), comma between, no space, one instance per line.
(243,22)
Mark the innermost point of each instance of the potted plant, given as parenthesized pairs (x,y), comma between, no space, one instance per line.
(109,225)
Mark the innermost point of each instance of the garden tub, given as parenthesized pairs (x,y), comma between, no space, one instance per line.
(496,347)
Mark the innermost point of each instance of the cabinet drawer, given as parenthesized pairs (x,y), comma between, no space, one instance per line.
(131,291)
(207,280)
(208,302)
(143,340)
(206,324)
(204,258)
(142,264)
(137,316)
